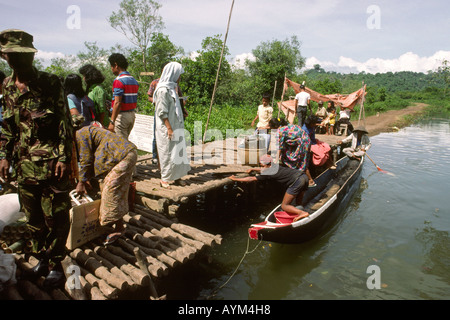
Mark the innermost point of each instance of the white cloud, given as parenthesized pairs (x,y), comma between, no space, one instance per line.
(46,57)
(406,62)
(239,61)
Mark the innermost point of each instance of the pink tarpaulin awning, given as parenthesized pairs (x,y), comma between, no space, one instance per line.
(346,101)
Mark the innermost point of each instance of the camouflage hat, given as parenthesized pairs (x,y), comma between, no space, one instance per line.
(14,40)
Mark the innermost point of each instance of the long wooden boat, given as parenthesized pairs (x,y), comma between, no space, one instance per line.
(324,202)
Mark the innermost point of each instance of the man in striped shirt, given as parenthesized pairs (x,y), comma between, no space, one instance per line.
(125,94)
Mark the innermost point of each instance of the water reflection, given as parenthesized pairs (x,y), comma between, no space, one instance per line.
(400,224)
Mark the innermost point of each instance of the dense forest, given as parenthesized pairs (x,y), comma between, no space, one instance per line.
(239,90)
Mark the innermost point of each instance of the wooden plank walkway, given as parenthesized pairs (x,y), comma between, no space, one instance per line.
(209,171)
(112,272)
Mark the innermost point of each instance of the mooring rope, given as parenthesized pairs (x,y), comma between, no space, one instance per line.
(236,269)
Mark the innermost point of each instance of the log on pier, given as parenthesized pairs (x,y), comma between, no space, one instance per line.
(99,272)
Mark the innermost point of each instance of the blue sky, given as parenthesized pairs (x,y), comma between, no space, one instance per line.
(371,36)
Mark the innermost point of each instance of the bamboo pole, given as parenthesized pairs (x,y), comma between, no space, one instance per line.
(115,270)
(218,71)
(12,293)
(143,267)
(186,230)
(168,233)
(98,269)
(362,111)
(115,255)
(31,290)
(74,293)
(155,256)
(146,239)
(107,291)
(282,95)
(274,92)
(155,267)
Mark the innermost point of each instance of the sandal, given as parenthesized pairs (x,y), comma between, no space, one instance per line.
(111,238)
(165,185)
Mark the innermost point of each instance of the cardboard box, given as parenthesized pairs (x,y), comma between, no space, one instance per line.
(84,222)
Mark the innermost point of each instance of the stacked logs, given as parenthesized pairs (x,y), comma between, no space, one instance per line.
(116,271)
(16,238)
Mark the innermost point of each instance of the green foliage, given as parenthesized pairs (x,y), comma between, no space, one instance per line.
(200,73)
(442,75)
(138,20)
(273,60)
(239,91)
(162,51)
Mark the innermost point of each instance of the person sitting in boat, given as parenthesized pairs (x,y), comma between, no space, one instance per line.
(360,143)
(344,118)
(320,151)
(296,182)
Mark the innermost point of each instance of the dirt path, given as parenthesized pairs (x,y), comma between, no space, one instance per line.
(386,121)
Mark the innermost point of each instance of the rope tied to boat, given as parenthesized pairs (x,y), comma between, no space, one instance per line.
(247,252)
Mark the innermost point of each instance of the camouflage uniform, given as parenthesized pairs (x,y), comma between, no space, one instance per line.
(37,133)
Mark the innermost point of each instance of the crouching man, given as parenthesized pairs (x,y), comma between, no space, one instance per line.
(104,154)
(294,180)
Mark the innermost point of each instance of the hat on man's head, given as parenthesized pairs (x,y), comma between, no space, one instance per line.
(16,41)
(361,129)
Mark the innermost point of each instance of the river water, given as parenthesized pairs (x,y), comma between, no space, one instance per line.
(392,241)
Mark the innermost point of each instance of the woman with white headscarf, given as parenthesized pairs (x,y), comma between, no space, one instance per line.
(170,139)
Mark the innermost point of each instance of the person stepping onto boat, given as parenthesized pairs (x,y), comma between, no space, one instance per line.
(296,182)
(360,143)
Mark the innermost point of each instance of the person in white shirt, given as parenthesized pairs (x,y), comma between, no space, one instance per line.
(360,143)
(344,118)
(302,103)
(264,115)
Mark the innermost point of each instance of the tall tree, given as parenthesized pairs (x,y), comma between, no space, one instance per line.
(443,74)
(200,72)
(273,60)
(138,20)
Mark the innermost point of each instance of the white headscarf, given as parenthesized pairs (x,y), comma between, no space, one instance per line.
(169,77)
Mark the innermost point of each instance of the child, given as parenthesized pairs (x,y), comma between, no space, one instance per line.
(264,115)
(329,121)
(332,121)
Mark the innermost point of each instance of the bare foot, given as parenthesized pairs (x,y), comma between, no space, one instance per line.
(301,216)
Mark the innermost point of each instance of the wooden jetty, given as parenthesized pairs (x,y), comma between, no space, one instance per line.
(114,271)
(210,168)
(154,244)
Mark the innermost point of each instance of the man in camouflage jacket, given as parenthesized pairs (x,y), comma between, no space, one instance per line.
(37,139)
